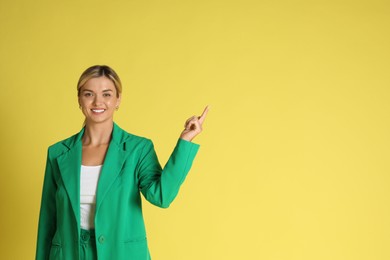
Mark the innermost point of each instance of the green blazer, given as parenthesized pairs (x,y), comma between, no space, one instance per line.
(131,167)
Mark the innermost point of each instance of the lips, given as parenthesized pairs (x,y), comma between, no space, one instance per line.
(98,110)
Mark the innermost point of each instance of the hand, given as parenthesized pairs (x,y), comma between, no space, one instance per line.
(193,126)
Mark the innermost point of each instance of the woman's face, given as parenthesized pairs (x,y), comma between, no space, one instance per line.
(98,100)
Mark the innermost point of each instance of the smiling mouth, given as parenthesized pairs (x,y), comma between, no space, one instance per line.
(98,110)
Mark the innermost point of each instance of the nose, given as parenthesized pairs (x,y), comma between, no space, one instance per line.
(97,100)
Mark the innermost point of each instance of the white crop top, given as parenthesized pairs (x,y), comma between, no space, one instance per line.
(89,176)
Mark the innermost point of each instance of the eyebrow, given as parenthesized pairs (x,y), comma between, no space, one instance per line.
(106,90)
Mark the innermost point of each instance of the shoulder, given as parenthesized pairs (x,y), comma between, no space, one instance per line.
(123,138)
(64,145)
(129,137)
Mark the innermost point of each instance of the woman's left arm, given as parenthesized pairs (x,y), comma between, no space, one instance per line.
(161,186)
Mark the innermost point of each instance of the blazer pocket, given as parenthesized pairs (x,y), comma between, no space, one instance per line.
(136,240)
(55,252)
(136,248)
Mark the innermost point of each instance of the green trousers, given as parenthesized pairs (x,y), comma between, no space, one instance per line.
(87,245)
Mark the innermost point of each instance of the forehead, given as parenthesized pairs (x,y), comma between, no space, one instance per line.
(100,83)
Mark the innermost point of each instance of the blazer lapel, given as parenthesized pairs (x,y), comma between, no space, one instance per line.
(69,164)
(112,166)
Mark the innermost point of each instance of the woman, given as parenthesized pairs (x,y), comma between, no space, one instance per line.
(91,203)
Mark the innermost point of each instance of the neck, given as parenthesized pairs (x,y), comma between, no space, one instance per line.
(97,134)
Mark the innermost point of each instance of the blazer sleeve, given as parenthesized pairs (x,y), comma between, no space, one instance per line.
(47,216)
(161,186)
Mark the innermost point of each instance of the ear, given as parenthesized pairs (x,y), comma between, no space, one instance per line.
(118,102)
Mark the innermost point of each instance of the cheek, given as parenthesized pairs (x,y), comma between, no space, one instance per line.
(84,105)
(84,101)
(113,103)
(81,102)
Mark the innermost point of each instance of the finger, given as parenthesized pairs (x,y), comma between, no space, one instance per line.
(204,114)
(194,125)
(188,120)
(192,120)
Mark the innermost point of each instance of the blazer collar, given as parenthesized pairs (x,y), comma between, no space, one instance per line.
(112,166)
(118,137)
(69,164)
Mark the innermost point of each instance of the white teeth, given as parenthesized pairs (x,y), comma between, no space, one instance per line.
(98,110)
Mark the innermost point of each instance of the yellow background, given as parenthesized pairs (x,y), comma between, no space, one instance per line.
(294,154)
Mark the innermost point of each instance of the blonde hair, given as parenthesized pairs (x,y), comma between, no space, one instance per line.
(97,71)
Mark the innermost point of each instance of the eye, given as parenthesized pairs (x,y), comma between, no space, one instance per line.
(106,95)
(87,94)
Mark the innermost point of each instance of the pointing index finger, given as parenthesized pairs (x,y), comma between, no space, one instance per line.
(204,114)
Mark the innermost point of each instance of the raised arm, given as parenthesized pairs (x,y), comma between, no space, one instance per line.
(161,186)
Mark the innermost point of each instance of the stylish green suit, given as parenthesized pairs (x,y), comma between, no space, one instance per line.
(131,167)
